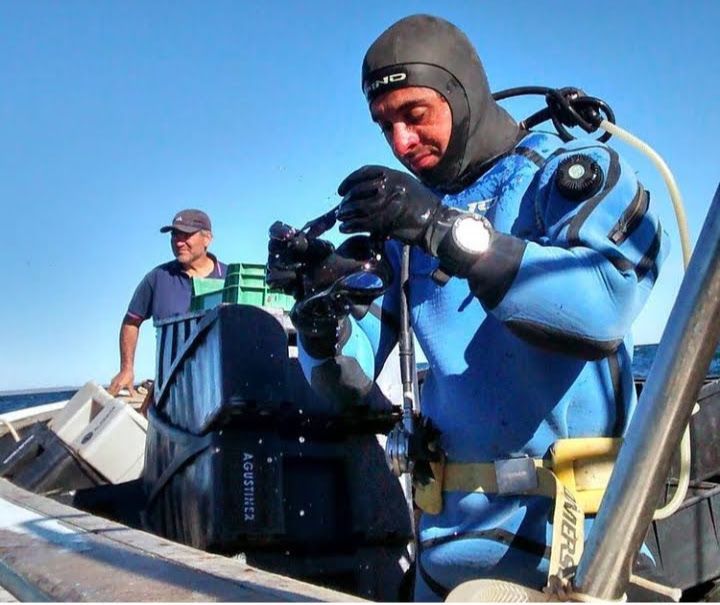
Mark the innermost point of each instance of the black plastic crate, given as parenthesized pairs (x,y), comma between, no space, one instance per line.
(223,361)
(234,360)
(243,487)
(41,463)
(704,433)
(686,546)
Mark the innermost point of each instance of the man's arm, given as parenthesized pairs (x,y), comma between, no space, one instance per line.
(578,288)
(129,332)
(139,309)
(575,287)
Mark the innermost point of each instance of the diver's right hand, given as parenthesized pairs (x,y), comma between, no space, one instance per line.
(386,203)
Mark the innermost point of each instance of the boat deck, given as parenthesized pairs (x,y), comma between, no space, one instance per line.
(6,597)
(52,552)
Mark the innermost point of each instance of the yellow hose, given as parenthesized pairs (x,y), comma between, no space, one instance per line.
(676,198)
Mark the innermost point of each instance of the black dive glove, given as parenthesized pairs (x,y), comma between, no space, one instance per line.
(386,203)
(389,203)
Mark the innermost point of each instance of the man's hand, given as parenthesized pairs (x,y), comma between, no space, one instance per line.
(125,379)
(386,203)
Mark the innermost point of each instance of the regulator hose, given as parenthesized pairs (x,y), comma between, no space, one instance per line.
(567,107)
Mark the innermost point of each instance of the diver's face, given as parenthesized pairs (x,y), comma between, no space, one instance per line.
(417,124)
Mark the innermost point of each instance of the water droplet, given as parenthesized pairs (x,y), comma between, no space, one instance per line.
(269,459)
(302,513)
(301,439)
(259,441)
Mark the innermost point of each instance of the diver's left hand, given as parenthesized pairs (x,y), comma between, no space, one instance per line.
(386,203)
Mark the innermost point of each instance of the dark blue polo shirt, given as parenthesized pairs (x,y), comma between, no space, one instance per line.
(166,291)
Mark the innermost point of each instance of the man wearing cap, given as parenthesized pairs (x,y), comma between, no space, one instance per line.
(167,289)
(531,258)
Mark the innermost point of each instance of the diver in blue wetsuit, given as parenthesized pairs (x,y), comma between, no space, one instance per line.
(531,258)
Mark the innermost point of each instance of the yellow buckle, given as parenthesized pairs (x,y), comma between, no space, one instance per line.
(429,497)
(584,466)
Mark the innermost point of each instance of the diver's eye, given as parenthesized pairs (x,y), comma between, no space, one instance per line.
(416,115)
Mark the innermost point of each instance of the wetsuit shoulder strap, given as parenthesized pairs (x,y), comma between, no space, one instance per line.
(538,147)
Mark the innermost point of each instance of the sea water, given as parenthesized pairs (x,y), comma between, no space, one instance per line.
(19,400)
(644,355)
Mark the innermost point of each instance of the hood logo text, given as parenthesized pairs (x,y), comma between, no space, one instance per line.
(384,81)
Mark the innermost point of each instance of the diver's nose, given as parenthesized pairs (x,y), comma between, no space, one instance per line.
(403,139)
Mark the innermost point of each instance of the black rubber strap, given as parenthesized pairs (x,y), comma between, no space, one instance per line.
(496,535)
(438,589)
(192,445)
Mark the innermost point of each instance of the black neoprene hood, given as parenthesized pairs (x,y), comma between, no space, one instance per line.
(422,50)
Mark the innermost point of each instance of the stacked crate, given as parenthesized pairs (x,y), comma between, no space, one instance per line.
(244,284)
(243,456)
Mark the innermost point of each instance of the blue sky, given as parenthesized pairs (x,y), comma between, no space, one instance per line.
(113,115)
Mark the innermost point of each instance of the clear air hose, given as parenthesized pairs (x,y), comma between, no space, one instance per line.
(684,476)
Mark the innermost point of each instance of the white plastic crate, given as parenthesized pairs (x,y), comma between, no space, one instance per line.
(87,403)
(114,442)
(105,432)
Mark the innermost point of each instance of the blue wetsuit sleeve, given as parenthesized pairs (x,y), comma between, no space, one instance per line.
(580,284)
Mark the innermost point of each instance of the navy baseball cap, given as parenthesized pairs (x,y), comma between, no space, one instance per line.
(189,221)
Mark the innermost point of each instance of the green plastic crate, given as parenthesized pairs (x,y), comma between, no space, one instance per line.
(207,292)
(244,284)
(205,301)
(236,279)
(260,296)
(279,300)
(245,275)
(203,285)
(247,296)
(248,268)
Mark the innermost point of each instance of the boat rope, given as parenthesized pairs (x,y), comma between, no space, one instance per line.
(11,428)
